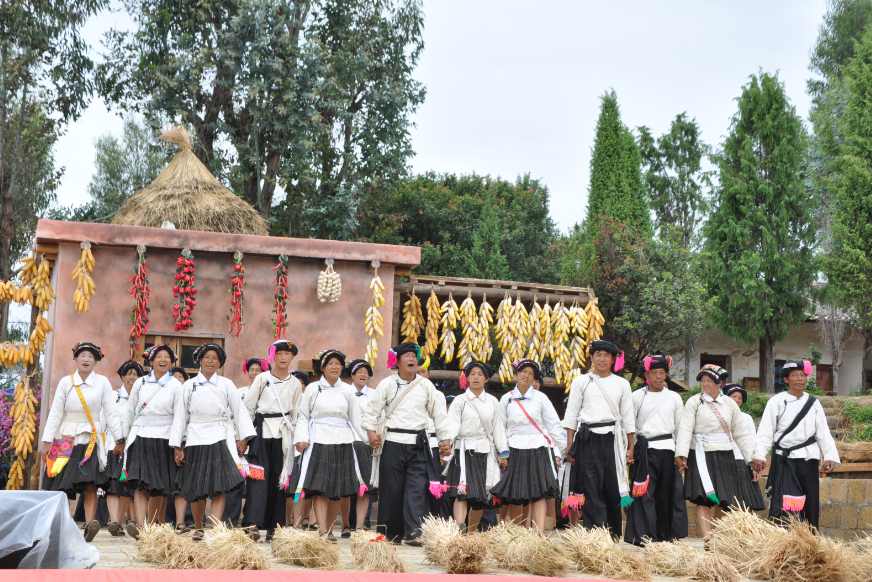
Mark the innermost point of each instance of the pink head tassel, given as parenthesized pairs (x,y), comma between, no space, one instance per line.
(392,359)
(647,362)
(244,369)
(462,381)
(669,361)
(436,489)
(806,367)
(264,365)
(619,362)
(272,354)
(363,489)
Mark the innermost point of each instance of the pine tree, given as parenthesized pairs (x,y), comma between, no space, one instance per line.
(487,256)
(848,265)
(760,238)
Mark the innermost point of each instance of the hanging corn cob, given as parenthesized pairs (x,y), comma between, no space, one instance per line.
(42,286)
(519,332)
(431,333)
(82,272)
(485,320)
(595,321)
(24,429)
(37,336)
(29,271)
(560,354)
(12,353)
(373,320)
(547,334)
(472,336)
(12,292)
(449,322)
(413,319)
(578,321)
(537,332)
(503,333)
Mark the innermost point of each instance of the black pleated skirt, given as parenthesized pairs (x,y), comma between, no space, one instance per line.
(208,471)
(530,477)
(476,479)
(75,478)
(151,466)
(114,464)
(295,475)
(331,472)
(364,460)
(751,494)
(725,479)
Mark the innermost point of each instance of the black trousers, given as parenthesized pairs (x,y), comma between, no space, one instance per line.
(679,510)
(233,506)
(403,490)
(807,476)
(651,514)
(264,501)
(602,498)
(439,507)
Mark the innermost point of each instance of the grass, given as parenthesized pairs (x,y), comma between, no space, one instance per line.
(860,419)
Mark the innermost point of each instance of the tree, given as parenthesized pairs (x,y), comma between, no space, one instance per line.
(835,329)
(615,187)
(849,264)
(487,256)
(760,238)
(844,23)
(312,97)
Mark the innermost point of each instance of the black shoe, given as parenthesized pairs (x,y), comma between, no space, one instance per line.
(269,537)
(252,532)
(133,530)
(416,541)
(91,530)
(114,529)
(346,532)
(463,527)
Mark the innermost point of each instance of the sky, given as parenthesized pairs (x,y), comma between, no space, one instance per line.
(513,87)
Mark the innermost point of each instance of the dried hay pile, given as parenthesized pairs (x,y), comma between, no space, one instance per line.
(375,554)
(232,549)
(467,554)
(742,538)
(800,555)
(160,545)
(299,548)
(594,552)
(680,561)
(437,535)
(517,548)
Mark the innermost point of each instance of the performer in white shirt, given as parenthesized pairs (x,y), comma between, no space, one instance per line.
(149,461)
(354,509)
(600,423)
(480,448)
(206,415)
(251,369)
(794,427)
(752,497)
(118,493)
(327,421)
(402,466)
(74,449)
(180,374)
(532,430)
(300,511)
(658,412)
(439,506)
(272,402)
(711,423)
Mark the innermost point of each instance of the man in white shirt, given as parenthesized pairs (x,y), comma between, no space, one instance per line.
(795,426)
(658,412)
(404,469)
(600,411)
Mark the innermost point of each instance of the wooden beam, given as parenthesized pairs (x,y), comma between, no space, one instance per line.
(547,382)
(400,272)
(495,295)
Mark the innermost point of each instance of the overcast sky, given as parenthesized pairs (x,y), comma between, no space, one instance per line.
(513,87)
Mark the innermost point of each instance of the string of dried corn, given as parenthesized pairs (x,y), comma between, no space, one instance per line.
(515,333)
(473,334)
(537,332)
(577,347)
(449,323)
(24,430)
(373,322)
(13,292)
(560,354)
(86,287)
(485,321)
(413,319)
(595,321)
(431,331)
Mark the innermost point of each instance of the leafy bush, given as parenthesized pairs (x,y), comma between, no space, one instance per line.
(755,405)
(857,414)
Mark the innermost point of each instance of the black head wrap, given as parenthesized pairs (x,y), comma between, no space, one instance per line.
(320,360)
(201,351)
(131,365)
(150,353)
(281,346)
(354,365)
(181,371)
(730,388)
(525,363)
(714,372)
(87,347)
(247,364)
(604,346)
(803,366)
(657,362)
(302,377)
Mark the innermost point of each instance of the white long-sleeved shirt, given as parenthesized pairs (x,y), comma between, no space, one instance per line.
(159,397)
(779,414)
(464,422)
(698,418)
(587,403)
(431,426)
(209,397)
(261,398)
(412,414)
(66,416)
(520,433)
(362,398)
(319,402)
(120,403)
(751,429)
(664,421)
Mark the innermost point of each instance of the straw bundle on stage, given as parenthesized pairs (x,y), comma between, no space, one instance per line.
(467,554)
(437,534)
(802,556)
(517,548)
(300,548)
(190,197)
(504,539)
(373,553)
(593,551)
(160,545)
(742,538)
(232,549)
(680,561)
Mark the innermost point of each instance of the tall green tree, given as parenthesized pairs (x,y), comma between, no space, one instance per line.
(848,265)
(615,191)
(487,254)
(760,238)
(312,97)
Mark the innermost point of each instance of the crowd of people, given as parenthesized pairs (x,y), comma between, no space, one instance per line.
(286,450)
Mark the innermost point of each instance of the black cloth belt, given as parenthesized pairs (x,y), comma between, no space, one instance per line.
(432,434)
(271,414)
(662,437)
(422,443)
(404,430)
(256,445)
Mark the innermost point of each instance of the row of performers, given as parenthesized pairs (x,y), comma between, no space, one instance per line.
(331,440)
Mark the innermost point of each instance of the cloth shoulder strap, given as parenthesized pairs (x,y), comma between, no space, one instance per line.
(533,422)
(721,420)
(399,400)
(87,410)
(653,412)
(606,397)
(153,395)
(279,400)
(799,418)
(489,430)
(214,390)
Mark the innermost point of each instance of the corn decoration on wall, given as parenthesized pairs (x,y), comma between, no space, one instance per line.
(595,321)
(431,332)
(373,320)
(537,332)
(42,291)
(413,319)
(329,284)
(449,322)
(503,333)
(86,286)
(485,320)
(11,292)
(559,351)
(24,431)
(577,348)
(516,333)
(473,337)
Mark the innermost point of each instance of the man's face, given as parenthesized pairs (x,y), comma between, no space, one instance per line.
(797,380)
(408,362)
(602,361)
(656,378)
(283,359)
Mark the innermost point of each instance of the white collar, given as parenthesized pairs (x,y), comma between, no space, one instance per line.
(471,395)
(324,384)
(601,377)
(201,378)
(788,395)
(77,379)
(163,381)
(279,379)
(400,379)
(708,398)
(517,393)
(364,391)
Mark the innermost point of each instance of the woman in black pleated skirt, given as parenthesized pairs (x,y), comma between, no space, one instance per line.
(752,496)
(360,372)
(118,493)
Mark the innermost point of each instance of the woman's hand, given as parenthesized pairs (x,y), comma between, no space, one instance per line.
(829,466)
(241,446)
(179,455)
(758,466)
(119,449)
(681,463)
(302,447)
(630,458)
(445,448)
(756,477)
(504,464)
(558,462)
(374,439)
(46,449)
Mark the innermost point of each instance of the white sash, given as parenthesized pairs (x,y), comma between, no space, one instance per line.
(287,427)
(701,464)
(223,418)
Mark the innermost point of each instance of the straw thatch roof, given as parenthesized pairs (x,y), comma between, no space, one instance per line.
(190,197)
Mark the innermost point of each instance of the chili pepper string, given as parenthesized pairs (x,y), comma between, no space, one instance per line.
(280,322)
(184,290)
(237,280)
(140,292)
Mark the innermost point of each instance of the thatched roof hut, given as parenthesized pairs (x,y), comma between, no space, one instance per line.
(190,197)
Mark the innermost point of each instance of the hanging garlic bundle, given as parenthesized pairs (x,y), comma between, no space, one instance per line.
(449,322)
(472,336)
(329,284)
(559,352)
(578,321)
(431,332)
(413,319)
(373,320)
(485,320)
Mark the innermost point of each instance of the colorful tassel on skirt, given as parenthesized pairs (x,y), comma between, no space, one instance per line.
(712,497)
(574,502)
(640,489)
(626,500)
(793,503)
(363,488)
(436,489)
(257,473)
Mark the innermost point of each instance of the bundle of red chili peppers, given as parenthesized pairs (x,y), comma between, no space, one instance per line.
(236,297)
(280,323)
(185,290)
(140,292)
